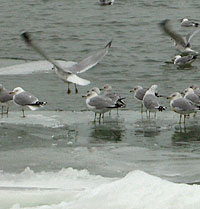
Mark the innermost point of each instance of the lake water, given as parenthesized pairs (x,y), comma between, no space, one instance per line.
(58,157)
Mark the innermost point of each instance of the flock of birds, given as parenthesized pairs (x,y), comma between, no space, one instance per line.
(104,100)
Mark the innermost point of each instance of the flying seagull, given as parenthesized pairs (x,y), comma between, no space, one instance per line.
(69,75)
(181,44)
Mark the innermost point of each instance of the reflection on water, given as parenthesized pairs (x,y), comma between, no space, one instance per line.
(112,130)
(147,128)
(187,136)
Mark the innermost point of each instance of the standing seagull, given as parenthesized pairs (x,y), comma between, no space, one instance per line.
(23,99)
(69,75)
(181,44)
(5,98)
(185,22)
(108,92)
(182,105)
(99,103)
(139,93)
(151,101)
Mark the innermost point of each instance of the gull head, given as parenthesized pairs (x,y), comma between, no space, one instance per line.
(184,20)
(136,88)
(175,95)
(194,87)
(188,91)
(95,89)
(107,87)
(17,90)
(90,94)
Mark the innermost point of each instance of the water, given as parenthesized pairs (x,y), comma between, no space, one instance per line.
(57,157)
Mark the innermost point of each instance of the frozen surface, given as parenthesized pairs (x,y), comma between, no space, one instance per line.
(52,140)
(32,67)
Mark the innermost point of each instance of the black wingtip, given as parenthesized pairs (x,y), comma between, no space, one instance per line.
(196,24)
(195,56)
(26,37)
(161,108)
(108,44)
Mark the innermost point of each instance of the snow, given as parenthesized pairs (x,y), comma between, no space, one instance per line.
(77,189)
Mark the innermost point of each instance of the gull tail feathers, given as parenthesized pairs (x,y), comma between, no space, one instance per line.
(161,108)
(37,105)
(77,80)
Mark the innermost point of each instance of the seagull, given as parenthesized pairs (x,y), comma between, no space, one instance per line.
(190,95)
(151,101)
(99,103)
(5,98)
(188,23)
(106,2)
(24,98)
(139,93)
(181,44)
(182,105)
(107,91)
(184,60)
(69,75)
(196,89)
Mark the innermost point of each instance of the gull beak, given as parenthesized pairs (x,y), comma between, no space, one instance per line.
(12,92)
(182,93)
(84,96)
(132,90)
(168,97)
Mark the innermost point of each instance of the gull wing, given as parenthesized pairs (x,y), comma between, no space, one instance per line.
(191,35)
(60,71)
(164,25)
(90,61)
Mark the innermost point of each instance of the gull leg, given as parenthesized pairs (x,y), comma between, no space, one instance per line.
(99,117)
(7,111)
(184,118)
(117,111)
(180,119)
(68,90)
(142,110)
(2,111)
(76,89)
(110,112)
(95,116)
(23,113)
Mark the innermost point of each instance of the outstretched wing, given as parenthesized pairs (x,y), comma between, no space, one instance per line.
(90,61)
(164,25)
(191,35)
(60,71)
